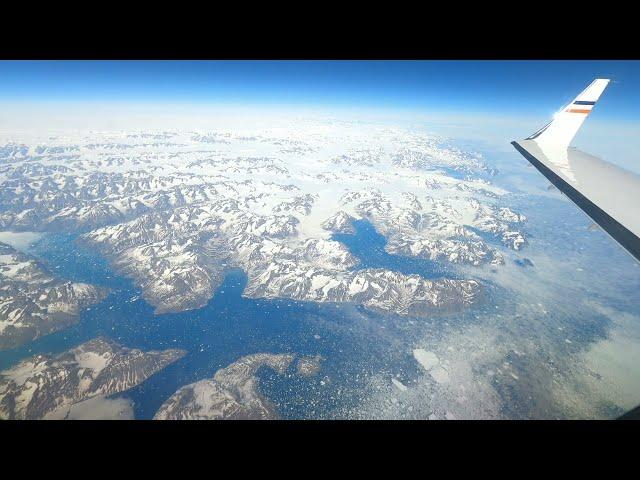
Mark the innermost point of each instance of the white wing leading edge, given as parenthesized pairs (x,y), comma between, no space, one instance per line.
(608,194)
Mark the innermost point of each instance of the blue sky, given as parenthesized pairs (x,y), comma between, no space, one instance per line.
(497,87)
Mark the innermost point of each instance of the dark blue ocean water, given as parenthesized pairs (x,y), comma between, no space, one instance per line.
(353,343)
(368,246)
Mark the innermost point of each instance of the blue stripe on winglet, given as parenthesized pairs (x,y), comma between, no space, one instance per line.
(583,102)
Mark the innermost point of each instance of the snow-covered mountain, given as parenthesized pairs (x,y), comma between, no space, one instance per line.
(45,384)
(232,393)
(34,303)
(175,210)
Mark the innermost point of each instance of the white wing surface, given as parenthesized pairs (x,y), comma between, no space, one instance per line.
(610,195)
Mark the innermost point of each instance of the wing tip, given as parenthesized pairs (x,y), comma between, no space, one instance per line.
(567,121)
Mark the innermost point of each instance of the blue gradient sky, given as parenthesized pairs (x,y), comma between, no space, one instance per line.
(499,100)
(532,87)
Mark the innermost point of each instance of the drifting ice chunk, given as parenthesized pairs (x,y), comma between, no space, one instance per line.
(428,360)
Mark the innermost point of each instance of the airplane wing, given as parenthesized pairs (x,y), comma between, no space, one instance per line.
(610,195)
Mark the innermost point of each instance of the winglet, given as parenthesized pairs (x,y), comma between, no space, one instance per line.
(566,122)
